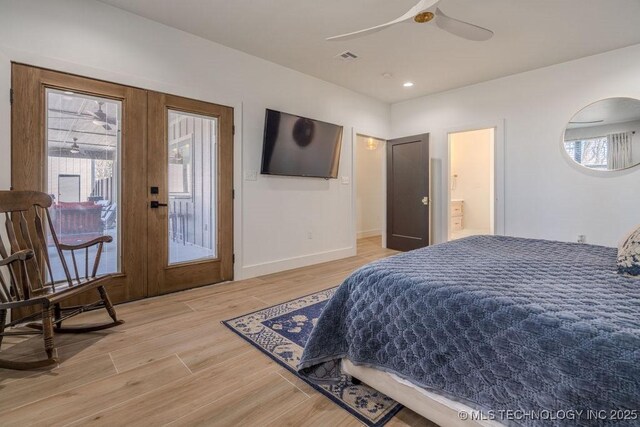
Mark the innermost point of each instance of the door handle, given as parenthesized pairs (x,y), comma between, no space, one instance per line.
(155,204)
(425,200)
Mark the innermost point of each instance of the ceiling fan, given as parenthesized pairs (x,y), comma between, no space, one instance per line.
(75,148)
(100,117)
(423,12)
(589,122)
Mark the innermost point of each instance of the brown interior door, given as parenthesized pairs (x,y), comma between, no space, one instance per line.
(84,142)
(408,193)
(190,211)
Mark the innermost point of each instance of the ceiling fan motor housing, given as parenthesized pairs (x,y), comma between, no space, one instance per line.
(423,17)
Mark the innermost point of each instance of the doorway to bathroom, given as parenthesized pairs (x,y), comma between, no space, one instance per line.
(471,183)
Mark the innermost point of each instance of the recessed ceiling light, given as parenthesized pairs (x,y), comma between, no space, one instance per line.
(387,75)
(408,84)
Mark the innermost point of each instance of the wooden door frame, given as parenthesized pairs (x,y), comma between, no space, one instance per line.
(158,269)
(29,118)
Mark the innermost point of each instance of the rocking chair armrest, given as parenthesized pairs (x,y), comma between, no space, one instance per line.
(101,239)
(18,256)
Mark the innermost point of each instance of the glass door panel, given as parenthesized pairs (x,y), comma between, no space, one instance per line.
(190,178)
(191,172)
(83,136)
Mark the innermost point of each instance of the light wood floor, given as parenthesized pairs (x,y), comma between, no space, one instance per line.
(172,362)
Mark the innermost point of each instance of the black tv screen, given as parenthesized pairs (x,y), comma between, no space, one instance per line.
(298,146)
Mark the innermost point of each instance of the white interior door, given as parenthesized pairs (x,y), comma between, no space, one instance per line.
(68,188)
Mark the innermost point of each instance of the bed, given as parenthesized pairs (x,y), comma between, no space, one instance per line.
(523,331)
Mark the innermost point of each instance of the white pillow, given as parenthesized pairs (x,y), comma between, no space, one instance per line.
(629,254)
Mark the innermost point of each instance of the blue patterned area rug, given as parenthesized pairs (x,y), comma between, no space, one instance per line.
(281,332)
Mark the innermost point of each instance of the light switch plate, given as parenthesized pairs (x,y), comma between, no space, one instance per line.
(345,180)
(251,175)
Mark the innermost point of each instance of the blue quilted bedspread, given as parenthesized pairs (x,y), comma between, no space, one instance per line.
(499,323)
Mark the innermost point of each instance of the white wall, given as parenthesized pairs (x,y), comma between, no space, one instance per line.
(369,187)
(273,215)
(546,196)
(471,160)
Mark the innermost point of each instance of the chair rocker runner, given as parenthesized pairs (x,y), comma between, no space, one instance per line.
(23,252)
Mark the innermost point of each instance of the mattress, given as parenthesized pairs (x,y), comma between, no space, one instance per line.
(434,407)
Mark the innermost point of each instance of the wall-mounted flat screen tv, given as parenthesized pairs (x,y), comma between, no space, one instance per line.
(298,146)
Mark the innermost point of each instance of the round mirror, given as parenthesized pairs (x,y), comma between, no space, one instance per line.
(605,136)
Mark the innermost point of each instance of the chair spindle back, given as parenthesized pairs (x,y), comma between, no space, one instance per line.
(27,224)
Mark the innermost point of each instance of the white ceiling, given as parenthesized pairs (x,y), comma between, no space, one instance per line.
(529,34)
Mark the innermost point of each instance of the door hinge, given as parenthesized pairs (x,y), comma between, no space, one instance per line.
(233,258)
(233,129)
(11,96)
(233,194)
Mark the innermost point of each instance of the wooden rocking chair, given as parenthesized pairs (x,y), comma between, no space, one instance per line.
(22,280)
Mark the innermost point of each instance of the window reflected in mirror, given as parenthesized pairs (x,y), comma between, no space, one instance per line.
(591,153)
(605,136)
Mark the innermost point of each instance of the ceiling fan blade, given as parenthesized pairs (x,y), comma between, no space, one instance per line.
(361,33)
(462,29)
(421,6)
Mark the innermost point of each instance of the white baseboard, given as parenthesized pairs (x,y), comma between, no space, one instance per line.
(255,270)
(368,233)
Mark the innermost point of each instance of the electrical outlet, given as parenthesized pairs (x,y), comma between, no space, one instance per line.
(582,238)
(309,235)
(345,180)
(251,175)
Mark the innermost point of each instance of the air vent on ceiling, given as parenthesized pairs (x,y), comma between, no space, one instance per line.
(347,56)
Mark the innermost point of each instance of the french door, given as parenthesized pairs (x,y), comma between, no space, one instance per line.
(153,171)
(190,213)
